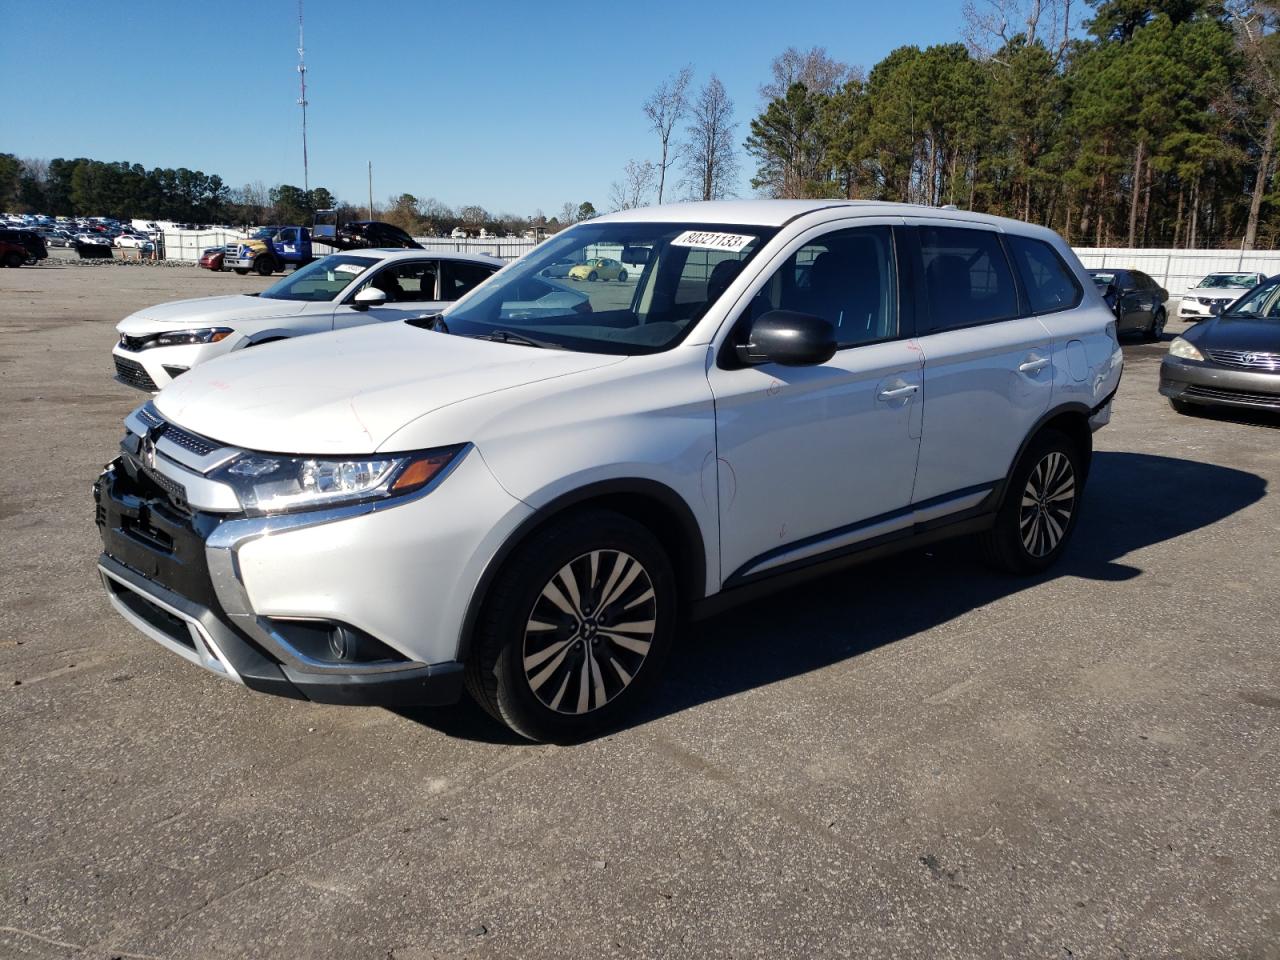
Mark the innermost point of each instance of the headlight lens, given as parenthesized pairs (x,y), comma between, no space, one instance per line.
(1184,350)
(266,483)
(176,338)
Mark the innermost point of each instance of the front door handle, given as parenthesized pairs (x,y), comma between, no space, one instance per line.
(1033,366)
(897,393)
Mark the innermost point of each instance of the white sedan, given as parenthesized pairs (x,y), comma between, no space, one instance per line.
(1216,290)
(339,291)
(134,240)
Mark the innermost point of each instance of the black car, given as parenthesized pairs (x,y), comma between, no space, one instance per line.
(28,239)
(362,234)
(1137,301)
(1232,360)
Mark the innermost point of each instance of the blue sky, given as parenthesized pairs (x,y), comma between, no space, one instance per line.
(514,106)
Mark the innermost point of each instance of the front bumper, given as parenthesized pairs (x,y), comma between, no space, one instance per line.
(154,369)
(1190,309)
(1201,382)
(155,567)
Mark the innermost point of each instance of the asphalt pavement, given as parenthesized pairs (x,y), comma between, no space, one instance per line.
(915,758)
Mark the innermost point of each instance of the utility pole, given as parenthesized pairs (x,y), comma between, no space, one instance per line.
(302,101)
(370,189)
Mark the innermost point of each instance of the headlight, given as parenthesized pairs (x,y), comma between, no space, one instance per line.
(1184,350)
(266,483)
(176,338)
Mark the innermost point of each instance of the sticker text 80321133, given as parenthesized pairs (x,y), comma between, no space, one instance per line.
(706,240)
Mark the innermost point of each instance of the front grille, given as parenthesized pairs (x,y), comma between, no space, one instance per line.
(176,491)
(1247,359)
(132,373)
(1233,396)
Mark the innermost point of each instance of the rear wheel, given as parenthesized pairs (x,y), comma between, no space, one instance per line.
(575,628)
(1156,329)
(1040,506)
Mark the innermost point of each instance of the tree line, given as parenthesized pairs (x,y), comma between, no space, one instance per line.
(1156,127)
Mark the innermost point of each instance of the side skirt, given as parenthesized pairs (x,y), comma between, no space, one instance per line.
(739,590)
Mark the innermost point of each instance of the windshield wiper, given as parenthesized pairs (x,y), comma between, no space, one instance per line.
(508,336)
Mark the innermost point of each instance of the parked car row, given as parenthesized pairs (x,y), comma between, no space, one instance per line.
(520,491)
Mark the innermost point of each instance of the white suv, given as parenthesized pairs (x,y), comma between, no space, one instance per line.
(525,496)
(335,292)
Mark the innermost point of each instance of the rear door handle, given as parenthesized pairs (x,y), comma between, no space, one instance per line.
(1033,366)
(897,393)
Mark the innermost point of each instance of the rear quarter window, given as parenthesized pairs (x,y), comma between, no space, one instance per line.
(1048,281)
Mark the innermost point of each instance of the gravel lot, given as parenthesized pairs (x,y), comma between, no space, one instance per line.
(914,759)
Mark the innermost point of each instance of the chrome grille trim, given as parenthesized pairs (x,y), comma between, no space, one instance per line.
(1247,359)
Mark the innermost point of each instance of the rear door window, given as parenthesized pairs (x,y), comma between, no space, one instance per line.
(460,277)
(967,277)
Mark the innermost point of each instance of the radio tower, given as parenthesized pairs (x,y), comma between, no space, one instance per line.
(302,100)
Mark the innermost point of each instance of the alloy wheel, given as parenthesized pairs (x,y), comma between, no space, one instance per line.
(590,631)
(1048,501)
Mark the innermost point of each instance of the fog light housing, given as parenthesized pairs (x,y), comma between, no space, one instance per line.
(333,643)
(174,372)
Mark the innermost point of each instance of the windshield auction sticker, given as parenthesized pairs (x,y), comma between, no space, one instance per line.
(730,242)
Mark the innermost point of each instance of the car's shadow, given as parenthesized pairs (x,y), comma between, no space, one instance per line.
(1127,506)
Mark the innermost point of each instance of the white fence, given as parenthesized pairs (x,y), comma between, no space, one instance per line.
(508,249)
(190,244)
(1179,270)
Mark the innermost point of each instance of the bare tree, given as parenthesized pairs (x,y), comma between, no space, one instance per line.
(814,68)
(664,109)
(710,159)
(636,185)
(569,213)
(992,24)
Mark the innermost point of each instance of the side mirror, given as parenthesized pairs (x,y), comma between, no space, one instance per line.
(369,297)
(1111,290)
(1218,307)
(789,338)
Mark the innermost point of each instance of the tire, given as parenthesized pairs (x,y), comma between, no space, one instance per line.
(1041,504)
(622,276)
(593,276)
(542,660)
(243,271)
(264,266)
(1156,328)
(14,260)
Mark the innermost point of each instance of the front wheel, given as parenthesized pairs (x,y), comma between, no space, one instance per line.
(1040,506)
(264,266)
(1184,408)
(575,628)
(622,276)
(14,260)
(243,271)
(593,276)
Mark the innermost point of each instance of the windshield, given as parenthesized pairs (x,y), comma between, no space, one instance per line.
(1102,279)
(320,280)
(1244,280)
(264,233)
(1263,303)
(633,288)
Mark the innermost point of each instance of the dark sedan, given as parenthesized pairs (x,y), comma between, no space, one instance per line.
(1232,360)
(1135,299)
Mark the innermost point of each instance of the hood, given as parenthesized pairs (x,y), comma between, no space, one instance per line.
(207,312)
(1237,333)
(349,391)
